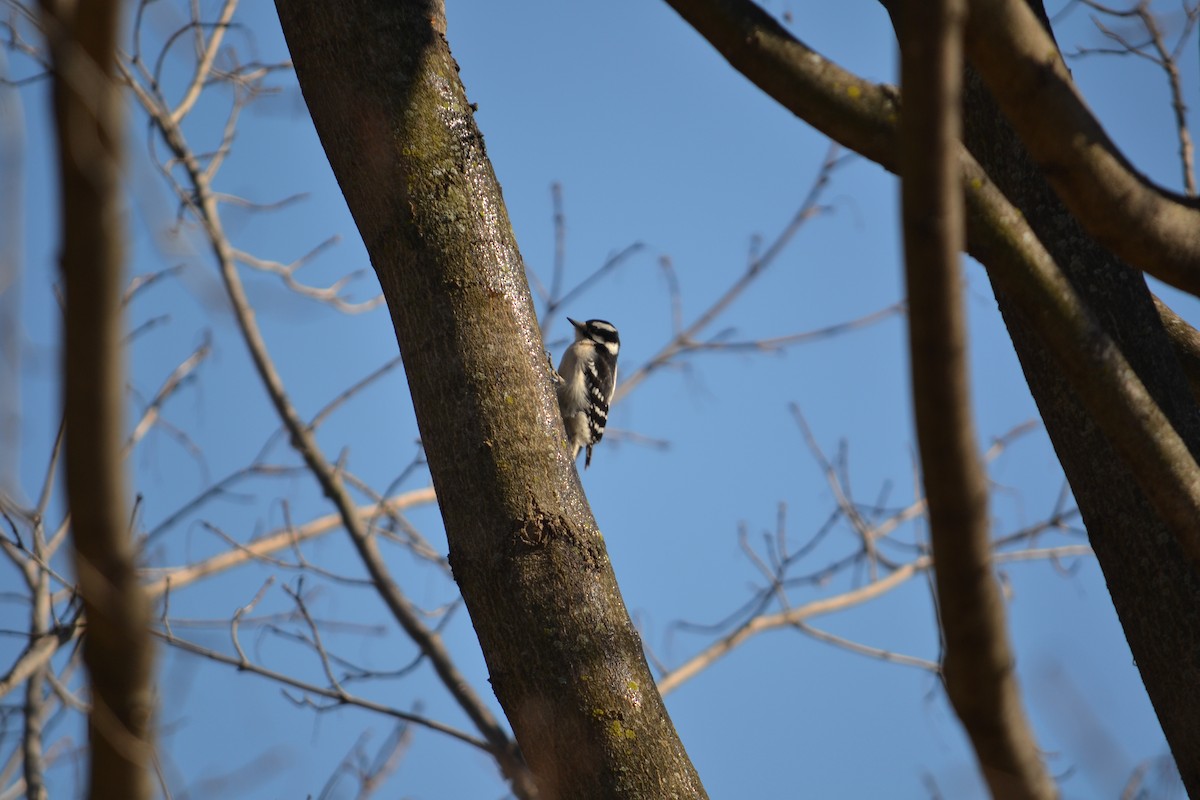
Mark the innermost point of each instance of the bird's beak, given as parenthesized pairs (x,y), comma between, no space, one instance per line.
(578,325)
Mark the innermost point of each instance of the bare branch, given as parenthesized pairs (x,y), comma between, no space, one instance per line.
(1156,51)
(204,63)
(686,338)
(178,378)
(37,654)
(352,390)
(179,577)
(1185,341)
(776,343)
(303,440)
(331,295)
(1146,226)
(790,618)
(553,304)
(1105,382)
(39,624)
(117,651)
(371,775)
(560,246)
(977,664)
(863,116)
(243,664)
(867,650)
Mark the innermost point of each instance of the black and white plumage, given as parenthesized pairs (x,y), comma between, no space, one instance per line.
(587,379)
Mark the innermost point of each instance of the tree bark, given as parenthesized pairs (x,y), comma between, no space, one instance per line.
(1154,587)
(1148,227)
(565,661)
(977,661)
(117,650)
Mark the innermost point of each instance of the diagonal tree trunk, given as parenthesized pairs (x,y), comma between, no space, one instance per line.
(564,659)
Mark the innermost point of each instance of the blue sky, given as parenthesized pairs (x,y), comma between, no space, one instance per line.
(655,141)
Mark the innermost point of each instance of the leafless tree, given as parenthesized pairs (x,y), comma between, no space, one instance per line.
(1062,230)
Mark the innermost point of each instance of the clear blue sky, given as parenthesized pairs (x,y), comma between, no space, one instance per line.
(654,140)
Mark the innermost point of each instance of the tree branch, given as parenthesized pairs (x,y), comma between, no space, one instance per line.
(998,235)
(118,653)
(1102,376)
(1185,341)
(178,577)
(791,617)
(1146,226)
(1144,533)
(978,663)
(337,694)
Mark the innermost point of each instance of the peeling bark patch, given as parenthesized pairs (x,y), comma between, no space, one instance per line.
(534,529)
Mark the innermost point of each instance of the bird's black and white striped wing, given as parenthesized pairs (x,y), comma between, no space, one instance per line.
(600,378)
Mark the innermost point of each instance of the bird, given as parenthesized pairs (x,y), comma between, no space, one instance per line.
(585,382)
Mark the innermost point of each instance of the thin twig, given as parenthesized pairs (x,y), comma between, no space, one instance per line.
(1155,50)
(342,698)
(205,62)
(178,378)
(204,204)
(175,578)
(763,623)
(686,338)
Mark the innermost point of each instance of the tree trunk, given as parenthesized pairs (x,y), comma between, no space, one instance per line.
(1153,586)
(1155,590)
(564,658)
